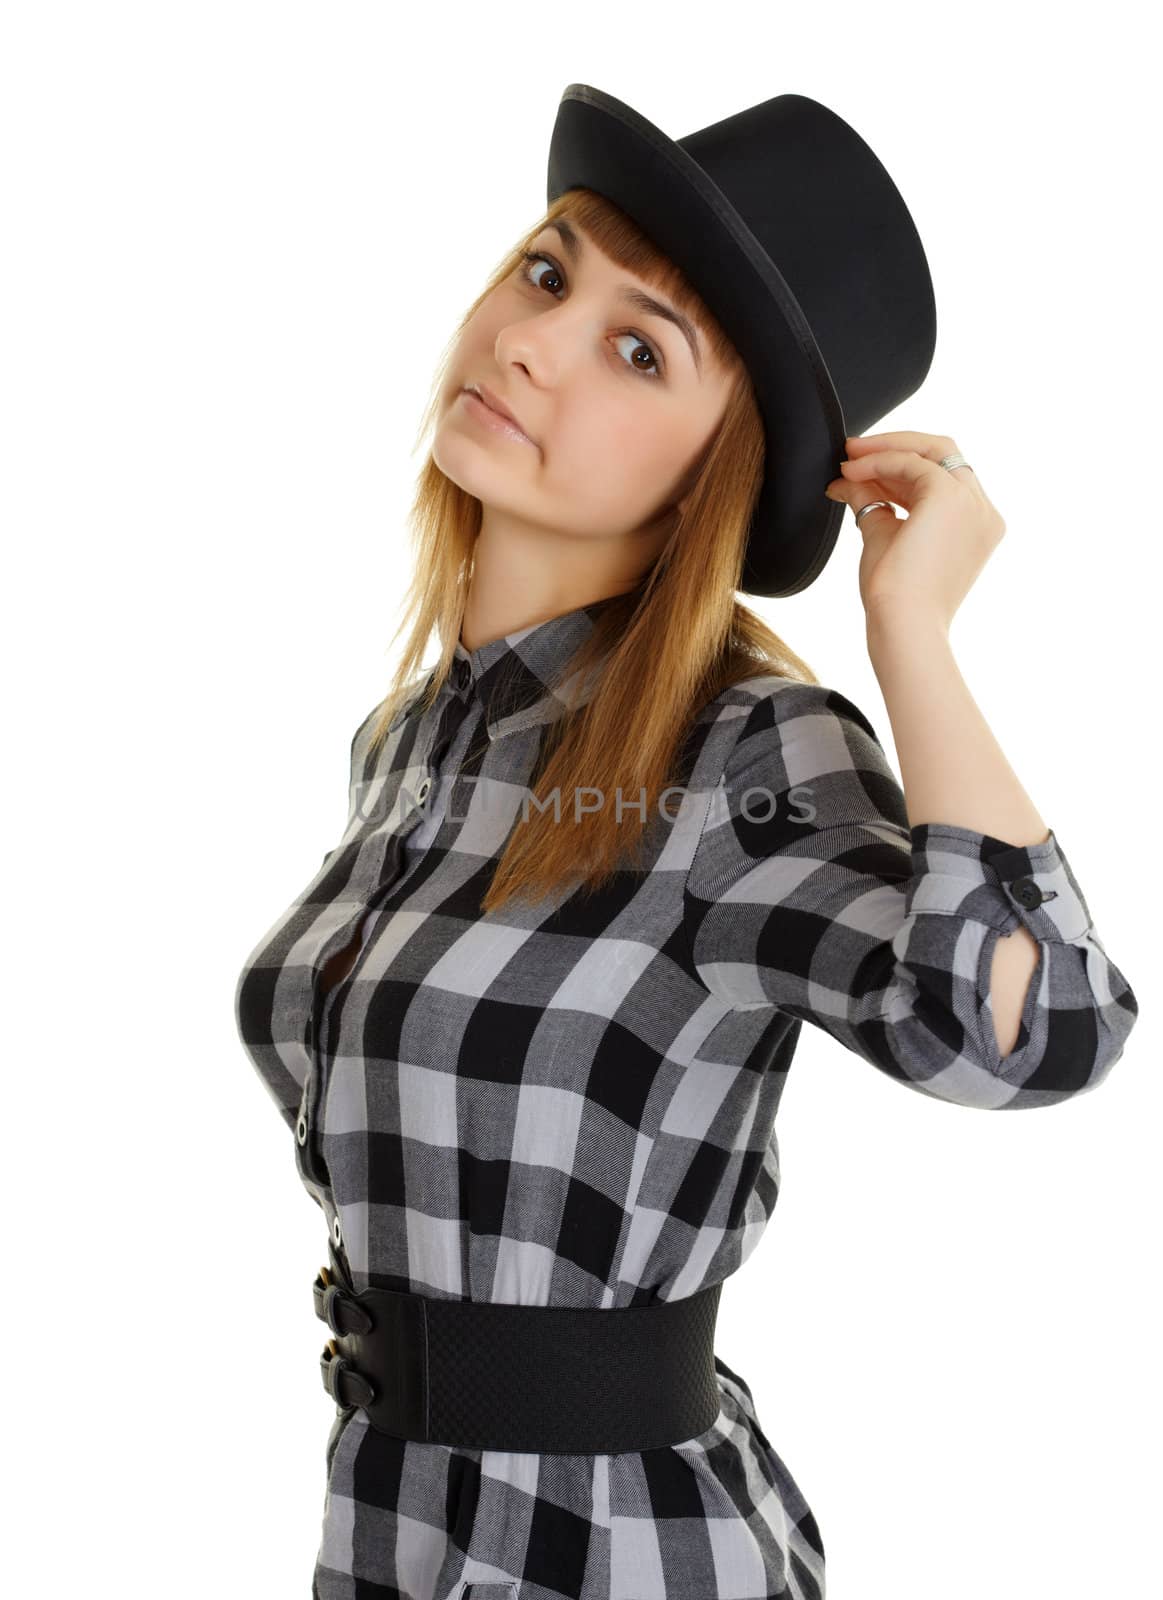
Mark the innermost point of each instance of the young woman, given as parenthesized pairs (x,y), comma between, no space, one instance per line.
(531,1021)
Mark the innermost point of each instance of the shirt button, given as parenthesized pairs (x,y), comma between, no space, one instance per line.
(301,1130)
(1026,892)
(423,788)
(336,1233)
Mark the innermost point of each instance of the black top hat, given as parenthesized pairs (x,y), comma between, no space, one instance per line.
(795,236)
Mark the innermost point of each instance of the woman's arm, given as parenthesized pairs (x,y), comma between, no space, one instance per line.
(809,891)
(914,575)
(954,771)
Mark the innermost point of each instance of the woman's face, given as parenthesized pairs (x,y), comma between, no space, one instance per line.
(615,403)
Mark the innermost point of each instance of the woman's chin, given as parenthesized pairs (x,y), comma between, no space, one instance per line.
(471,467)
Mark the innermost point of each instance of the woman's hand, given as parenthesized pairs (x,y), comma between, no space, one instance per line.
(921,566)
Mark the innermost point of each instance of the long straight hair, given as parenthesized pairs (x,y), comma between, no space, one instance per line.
(664,649)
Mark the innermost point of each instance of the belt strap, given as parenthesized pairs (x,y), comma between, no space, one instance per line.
(514,1377)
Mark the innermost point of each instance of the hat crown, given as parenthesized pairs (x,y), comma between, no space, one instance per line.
(791,230)
(824,208)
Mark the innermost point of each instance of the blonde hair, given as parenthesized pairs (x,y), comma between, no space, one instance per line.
(671,644)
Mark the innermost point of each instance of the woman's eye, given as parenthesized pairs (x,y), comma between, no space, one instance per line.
(531,258)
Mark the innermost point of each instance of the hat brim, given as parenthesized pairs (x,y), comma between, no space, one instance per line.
(600,143)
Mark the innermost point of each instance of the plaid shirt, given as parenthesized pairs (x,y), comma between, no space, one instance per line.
(574,1104)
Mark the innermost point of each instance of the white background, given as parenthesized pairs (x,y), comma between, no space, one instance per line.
(236,239)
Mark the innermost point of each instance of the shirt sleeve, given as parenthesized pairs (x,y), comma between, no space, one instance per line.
(809,892)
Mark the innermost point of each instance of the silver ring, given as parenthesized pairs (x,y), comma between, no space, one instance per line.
(871,506)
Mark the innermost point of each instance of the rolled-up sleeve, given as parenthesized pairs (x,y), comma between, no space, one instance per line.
(809,892)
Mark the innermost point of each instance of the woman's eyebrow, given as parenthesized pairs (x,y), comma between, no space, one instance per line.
(632,296)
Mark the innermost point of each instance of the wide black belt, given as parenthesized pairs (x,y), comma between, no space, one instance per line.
(492,1376)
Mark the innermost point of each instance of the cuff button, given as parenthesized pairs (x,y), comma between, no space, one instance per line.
(1026,892)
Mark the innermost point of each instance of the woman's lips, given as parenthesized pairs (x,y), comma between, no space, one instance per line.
(484,413)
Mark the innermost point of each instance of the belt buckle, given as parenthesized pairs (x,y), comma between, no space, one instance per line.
(333,1363)
(329,1293)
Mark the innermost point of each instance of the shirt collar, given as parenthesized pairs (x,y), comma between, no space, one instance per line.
(512,676)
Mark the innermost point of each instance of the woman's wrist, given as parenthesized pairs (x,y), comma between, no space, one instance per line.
(892,628)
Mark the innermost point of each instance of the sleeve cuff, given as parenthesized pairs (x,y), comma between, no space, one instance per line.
(961,873)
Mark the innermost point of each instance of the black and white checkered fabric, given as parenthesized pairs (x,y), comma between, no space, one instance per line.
(573,1104)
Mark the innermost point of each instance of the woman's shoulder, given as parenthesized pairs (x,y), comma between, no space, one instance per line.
(769,700)
(406,702)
